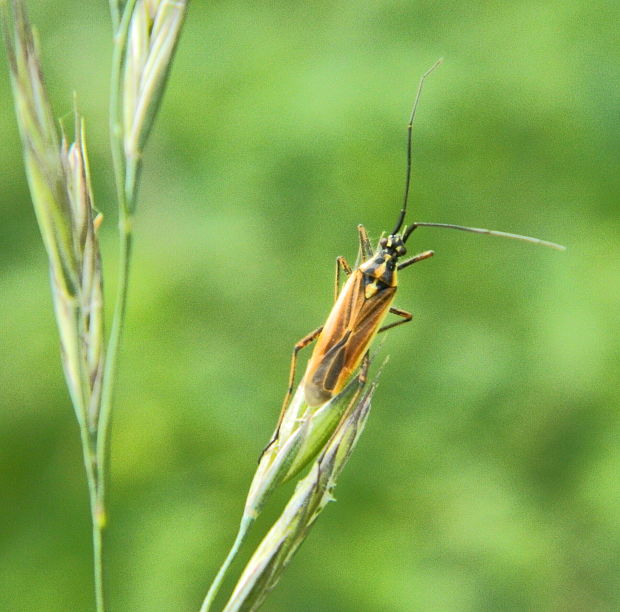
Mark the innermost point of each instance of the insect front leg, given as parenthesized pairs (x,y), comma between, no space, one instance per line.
(406,316)
(364,253)
(365,250)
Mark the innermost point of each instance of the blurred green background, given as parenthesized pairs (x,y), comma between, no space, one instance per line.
(487,478)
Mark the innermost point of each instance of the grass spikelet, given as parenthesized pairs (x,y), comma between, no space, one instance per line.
(301,435)
(41,145)
(85,223)
(152,38)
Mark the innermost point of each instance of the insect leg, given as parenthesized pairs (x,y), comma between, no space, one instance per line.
(406,317)
(415,259)
(366,250)
(341,264)
(304,342)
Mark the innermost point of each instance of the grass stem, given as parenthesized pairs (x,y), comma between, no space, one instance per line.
(92,478)
(100,454)
(246,523)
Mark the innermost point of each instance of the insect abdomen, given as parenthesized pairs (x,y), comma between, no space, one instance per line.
(350,328)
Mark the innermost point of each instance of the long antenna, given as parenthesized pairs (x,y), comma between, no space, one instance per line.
(481,230)
(401,217)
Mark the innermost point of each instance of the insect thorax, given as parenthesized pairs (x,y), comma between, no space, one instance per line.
(380,270)
(379,273)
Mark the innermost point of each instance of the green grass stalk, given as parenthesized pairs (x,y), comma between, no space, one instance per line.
(244,528)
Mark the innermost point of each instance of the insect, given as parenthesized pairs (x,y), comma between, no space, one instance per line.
(366,298)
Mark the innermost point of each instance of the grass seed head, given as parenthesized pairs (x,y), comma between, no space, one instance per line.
(311,496)
(59,181)
(302,434)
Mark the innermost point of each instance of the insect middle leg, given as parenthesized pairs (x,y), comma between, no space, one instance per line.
(341,264)
(303,343)
(406,316)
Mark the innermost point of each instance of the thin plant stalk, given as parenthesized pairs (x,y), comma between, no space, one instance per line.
(94,441)
(59,182)
(244,528)
(125,241)
(88,322)
(154,30)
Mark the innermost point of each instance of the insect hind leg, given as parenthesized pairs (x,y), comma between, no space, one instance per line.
(303,343)
(406,317)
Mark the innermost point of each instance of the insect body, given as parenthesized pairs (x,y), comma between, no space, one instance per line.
(366,299)
(356,318)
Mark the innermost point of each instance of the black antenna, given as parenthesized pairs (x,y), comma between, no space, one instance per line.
(403,212)
(481,230)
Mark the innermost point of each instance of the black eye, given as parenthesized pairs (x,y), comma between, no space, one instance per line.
(383,242)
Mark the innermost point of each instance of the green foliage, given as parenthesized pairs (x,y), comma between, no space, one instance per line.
(486,478)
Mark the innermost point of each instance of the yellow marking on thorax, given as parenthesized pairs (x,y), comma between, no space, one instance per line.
(379,271)
(371,289)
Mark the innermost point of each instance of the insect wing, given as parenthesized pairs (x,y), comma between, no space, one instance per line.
(346,336)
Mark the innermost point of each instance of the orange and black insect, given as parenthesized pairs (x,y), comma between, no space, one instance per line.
(366,298)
